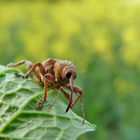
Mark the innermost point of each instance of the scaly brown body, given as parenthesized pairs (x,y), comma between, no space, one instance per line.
(54,74)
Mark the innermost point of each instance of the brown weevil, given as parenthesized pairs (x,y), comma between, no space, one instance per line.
(53,74)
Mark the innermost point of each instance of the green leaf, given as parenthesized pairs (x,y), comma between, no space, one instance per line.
(20,120)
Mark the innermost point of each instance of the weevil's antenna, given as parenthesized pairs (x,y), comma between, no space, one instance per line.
(83,111)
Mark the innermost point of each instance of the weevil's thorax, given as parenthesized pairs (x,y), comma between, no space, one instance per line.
(59,69)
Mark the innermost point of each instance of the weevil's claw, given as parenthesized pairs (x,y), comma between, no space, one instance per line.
(18,75)
(39,105)
(23,76)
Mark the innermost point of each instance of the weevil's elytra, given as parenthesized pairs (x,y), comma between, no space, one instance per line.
(54,74)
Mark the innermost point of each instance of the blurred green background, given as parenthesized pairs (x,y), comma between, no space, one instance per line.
(101,37)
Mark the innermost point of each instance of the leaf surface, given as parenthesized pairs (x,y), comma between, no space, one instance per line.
(20,120)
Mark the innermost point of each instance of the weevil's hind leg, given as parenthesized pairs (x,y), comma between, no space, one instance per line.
(32,69)
(27,63)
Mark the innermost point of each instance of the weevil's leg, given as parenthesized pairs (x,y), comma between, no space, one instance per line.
(78,91)
(48,78)
(68,96)
(27,63)
(65,93)
(44,97)
(38,78)
(32,69)
(45,89)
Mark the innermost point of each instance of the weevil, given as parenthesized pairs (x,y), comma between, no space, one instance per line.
(53,74)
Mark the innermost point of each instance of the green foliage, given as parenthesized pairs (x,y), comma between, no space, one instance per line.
(20,120)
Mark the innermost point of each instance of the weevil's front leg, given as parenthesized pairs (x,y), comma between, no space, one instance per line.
(78,91)
(27,63)
(44,97)
(48,79)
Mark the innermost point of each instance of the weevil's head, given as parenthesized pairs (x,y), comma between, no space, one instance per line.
(65,72)
(69,73)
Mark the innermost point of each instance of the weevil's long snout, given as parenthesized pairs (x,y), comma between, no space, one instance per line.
(71,80)
(71,83)
(69,74)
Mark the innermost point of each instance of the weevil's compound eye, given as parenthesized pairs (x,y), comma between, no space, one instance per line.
(68,75)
